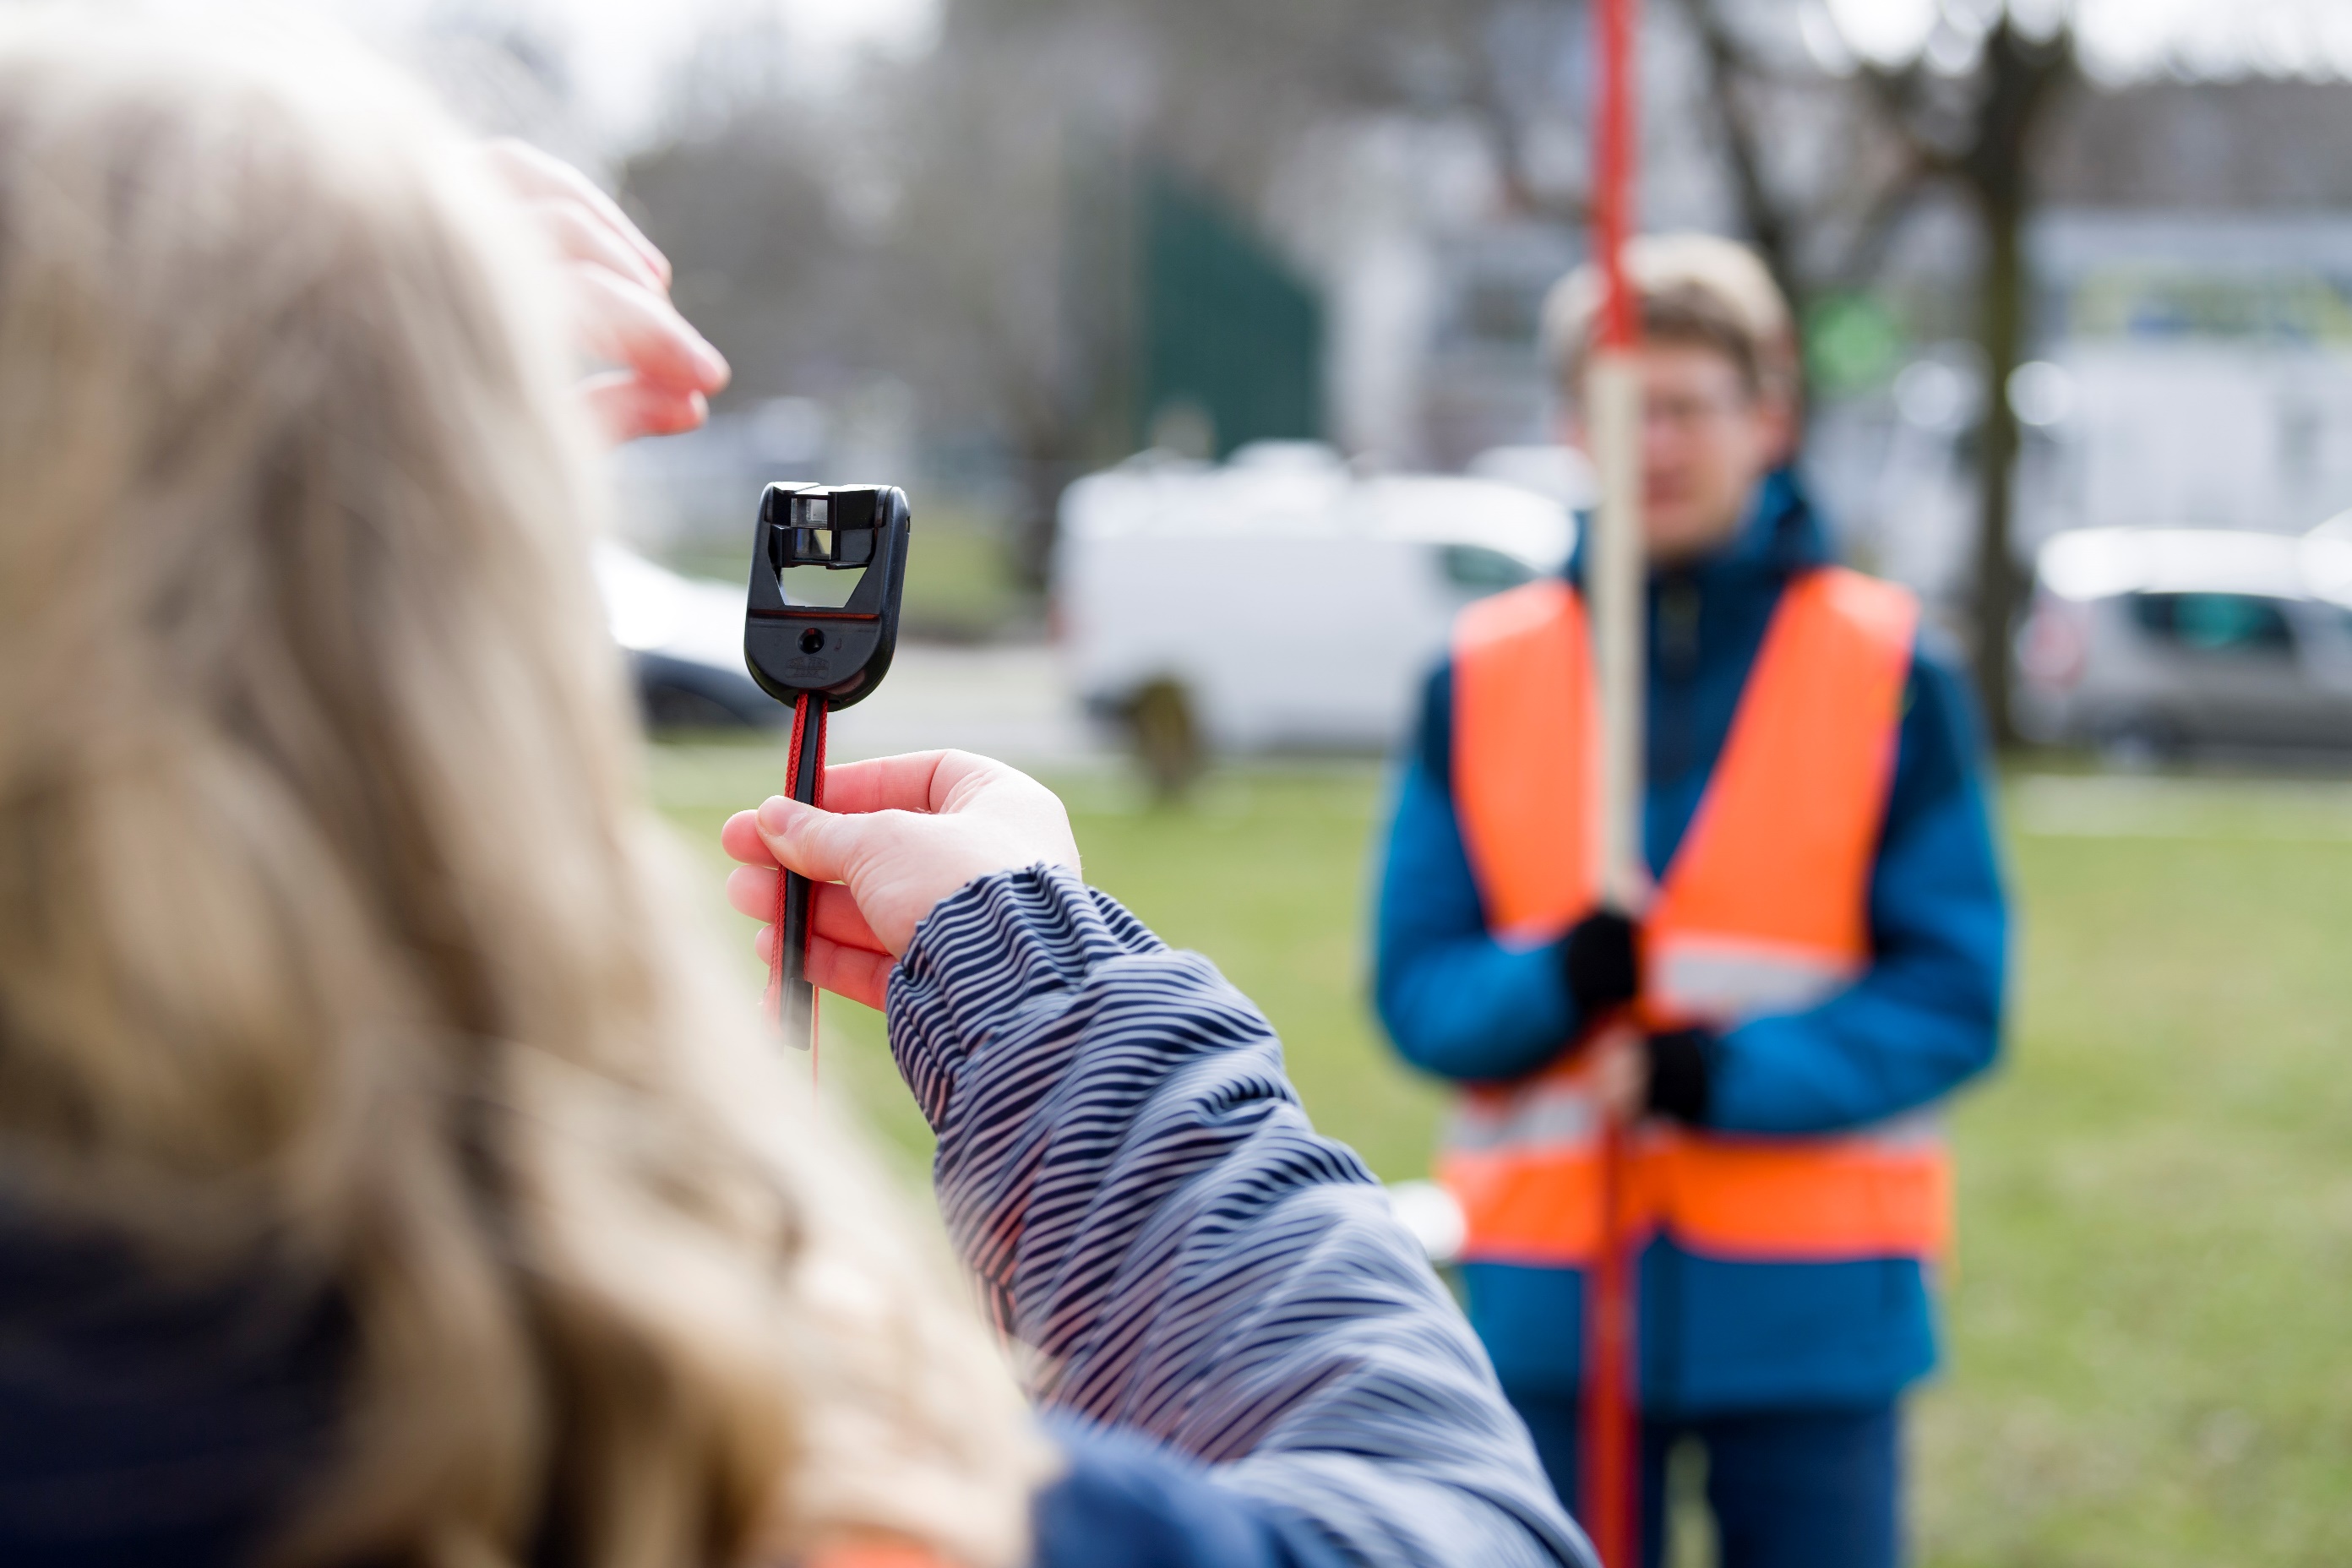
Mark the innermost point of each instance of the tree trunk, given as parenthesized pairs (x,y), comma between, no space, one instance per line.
(1046,470)
(2002,297)
(2023,76)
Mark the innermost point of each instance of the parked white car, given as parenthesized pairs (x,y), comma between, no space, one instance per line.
(2148,642)
(684,640)
(1281,600)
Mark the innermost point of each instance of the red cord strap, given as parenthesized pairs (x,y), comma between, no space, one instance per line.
(810,708)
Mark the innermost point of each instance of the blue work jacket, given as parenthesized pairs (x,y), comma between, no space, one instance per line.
(1719,1336)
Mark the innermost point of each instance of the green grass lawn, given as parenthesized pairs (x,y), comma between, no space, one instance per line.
(2150,1359)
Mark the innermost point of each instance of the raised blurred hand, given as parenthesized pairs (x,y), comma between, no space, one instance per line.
(663,370)
(897,835)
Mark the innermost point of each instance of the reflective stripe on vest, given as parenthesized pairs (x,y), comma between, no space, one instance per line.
(1764,910)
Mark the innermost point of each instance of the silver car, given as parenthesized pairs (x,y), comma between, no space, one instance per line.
(2153,642)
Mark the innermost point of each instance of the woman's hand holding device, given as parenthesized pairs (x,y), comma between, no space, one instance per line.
(896,835)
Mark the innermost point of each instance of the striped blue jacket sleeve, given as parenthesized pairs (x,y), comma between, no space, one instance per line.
(1130,1177)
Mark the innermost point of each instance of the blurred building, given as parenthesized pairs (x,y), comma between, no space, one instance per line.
(2192,267)
(989,302)
(1435,236)
(2193,315)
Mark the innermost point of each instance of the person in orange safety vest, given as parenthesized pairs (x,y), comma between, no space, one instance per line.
(1820,964)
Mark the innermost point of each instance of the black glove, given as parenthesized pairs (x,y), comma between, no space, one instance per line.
(1602,971)
(1682,1064)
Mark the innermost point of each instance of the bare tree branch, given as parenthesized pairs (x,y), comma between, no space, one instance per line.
(1728,67)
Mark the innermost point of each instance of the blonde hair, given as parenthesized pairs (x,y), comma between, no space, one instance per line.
(337,950)
(1695,288)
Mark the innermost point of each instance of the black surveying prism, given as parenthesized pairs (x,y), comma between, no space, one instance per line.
(818,657)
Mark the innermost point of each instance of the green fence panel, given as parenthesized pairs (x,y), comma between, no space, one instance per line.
(1230,333)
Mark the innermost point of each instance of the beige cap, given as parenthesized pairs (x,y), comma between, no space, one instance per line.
(1727,274)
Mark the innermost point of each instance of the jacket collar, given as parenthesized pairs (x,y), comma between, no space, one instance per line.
(1781,534)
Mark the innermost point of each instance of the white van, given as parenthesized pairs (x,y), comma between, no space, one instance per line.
(1281,601)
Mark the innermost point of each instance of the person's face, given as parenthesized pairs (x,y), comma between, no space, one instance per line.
(1707,442)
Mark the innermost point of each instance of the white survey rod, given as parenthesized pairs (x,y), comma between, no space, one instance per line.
(1614,578)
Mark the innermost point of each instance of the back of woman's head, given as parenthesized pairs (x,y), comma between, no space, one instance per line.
(334,948)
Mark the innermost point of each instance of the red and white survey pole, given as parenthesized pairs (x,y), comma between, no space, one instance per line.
(1613,586)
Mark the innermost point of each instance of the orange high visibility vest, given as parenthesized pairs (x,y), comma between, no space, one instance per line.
(1762,910)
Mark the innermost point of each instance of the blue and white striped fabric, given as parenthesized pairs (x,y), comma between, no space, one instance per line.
(1129,1174)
